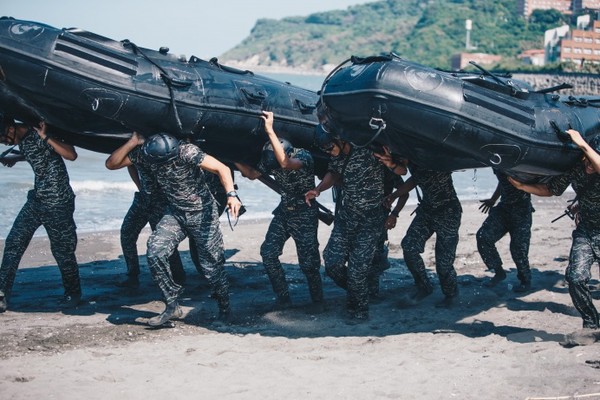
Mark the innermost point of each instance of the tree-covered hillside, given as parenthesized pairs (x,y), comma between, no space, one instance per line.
(426,31)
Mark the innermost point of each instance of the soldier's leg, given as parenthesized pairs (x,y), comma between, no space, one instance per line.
(175,263)
(270,251)
(204,228)
(62,234)
(492,230)
(133,223)
(360,260)
(520,238)
(19,237)
(304,228)
(413,245)
(379,264)
(161,245)
(578,274)
(445,253)
(335,254)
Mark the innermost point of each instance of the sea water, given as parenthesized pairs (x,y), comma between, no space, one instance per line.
(103,196)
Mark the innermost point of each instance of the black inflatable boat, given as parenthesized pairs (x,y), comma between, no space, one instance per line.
(95,91)
(455,120)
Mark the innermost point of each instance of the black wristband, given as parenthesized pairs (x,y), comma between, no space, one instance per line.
(46,139)
(233,193)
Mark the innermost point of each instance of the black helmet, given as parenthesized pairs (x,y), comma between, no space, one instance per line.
(160,148)
(323,139)
(268,159)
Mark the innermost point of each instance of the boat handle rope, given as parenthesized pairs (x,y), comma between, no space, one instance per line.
(496,159)
(374,123)
(164,76)
(582,102)
(333,71)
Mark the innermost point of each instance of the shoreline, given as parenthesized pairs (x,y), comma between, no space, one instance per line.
(495,342)
(324,71)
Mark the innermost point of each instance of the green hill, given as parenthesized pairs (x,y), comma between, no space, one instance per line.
(429,32)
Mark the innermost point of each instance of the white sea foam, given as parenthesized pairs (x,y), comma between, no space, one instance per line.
(102,186)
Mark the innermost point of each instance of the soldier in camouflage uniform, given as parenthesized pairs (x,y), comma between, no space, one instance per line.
(50,203)
(513,215)
(293,170)
(439,212)
(358,220)
(585,249)
(148,206)
(192,212)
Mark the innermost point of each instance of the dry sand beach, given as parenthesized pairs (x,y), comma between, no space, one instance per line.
(494,345)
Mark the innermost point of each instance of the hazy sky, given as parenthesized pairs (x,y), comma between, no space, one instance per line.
(204,28)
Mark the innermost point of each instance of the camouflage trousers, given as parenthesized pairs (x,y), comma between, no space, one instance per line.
(444,222)
(141,212)
(301,225)
(516,221)
(380,263)
(585,251)
(58,221)
(353,240)
(201,226)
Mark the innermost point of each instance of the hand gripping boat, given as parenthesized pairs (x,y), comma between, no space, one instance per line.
(450,121)
(95,91)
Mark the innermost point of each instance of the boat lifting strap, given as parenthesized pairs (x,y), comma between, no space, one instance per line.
(377,123)
(374,123)
(169,82)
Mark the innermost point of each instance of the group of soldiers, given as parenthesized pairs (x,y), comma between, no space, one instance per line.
(177,197)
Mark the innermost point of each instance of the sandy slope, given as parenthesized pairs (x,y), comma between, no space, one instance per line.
(495,345)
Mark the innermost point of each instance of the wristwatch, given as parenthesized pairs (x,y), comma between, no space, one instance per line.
(233,193)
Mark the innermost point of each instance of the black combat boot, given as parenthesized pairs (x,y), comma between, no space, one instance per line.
(172,311)
(499,276)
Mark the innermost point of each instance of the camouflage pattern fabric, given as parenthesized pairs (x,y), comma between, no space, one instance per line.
(512,215)
(439,212)
(141,212)
(192,212)
(148,206)
(380,257)
(293,218)
(181,180)
(353,241)
(357,226)
(585,250)
(51,204)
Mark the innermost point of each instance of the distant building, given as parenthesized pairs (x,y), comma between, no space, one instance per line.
(580,5)
(461,60)
(535,57)
(552,38)
(580,45)
(526,7)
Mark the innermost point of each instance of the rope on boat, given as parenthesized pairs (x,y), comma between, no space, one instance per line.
(374,123)
(164,76)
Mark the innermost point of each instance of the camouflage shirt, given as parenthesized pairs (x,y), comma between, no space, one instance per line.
(438,187)
(587,187)
(510,194)
(51,177)
(145,172)
(362,178)
(181,179)
(294,182)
